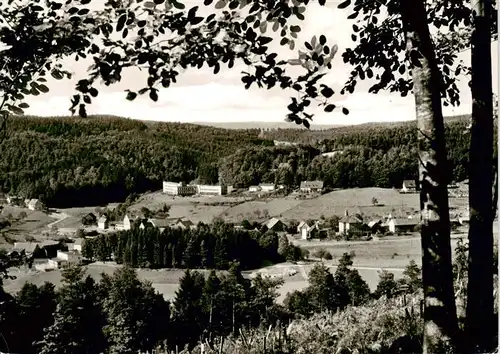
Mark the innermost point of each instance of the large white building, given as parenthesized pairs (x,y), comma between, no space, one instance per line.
(179,188)
(214,190)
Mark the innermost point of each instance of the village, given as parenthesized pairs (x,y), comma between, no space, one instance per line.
(57,253)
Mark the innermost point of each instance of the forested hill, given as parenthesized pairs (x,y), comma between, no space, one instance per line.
(68,161)
(72,161)
(314,136)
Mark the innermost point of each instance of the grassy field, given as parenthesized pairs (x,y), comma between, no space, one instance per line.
(356,200)
(29,226)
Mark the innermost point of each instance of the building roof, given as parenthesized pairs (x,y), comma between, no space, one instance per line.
(160,222)
(103,218)
(26,246)
(374,222)
(272,222)
(351,219)
(311,184)
(308,223)
(186,222)
(267,185)
(405,222)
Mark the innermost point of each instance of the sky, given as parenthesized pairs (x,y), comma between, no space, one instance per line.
(201,96)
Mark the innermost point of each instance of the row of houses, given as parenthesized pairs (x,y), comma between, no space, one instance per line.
(183,189)
(49,254)
(31,204)
(103,223)
(305,187)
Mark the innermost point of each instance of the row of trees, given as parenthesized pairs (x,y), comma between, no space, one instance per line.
(110,158)
(207,246)
(121,314)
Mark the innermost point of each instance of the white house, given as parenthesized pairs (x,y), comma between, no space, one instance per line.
(267,187)
(349,223)
(127,223)
(179,188)
(307,230)
(409,186)
(311,186)
(103,223)
(35,204)
(398,225)
(254,189)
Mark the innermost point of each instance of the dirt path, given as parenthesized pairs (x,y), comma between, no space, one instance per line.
(59,216)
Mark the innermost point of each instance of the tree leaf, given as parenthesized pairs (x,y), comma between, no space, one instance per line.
(131,96)
(192,12)
(322,39)
(220,4)
(345,111)
(344,4)
(153,95)
(327,92)
(178,5)
(24,105)
(15,110)
(329,108)
(196,20)
(295,28)
(207,2)
(149,5)
(82,112)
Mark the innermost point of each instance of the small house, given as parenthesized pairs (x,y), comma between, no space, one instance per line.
(311,186)
(76,245)
(254,189)
(35,204)
(275,224)
(308,229)
(399,225)
(375,225)
(13,200)
(350,223)
(267,187)
(103,222)
(184,224)
(409,186)
(127,222)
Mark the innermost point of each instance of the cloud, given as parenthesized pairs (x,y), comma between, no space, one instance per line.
(199,95)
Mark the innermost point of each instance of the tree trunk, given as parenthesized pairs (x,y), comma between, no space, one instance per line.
(439,303)
(480,289)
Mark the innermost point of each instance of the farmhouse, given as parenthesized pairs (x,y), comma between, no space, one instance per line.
(76,246)
(311,186)
(162,224)
(402,225)
(275,224)
(254,189)
(103,222)
(350,223)
(184,224)
(35,204)
(69,257)
(409,186)
(45,249)
(267,187)
(127,222)
(308,229)
(211,190)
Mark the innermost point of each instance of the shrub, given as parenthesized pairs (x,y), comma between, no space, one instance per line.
(322,254)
